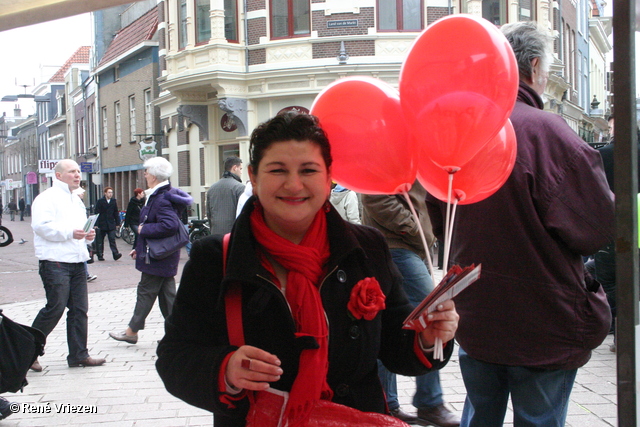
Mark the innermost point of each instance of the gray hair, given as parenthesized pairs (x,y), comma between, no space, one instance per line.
(528,42)
(159,167)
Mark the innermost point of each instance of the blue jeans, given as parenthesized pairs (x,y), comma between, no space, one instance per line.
(540,397)
(186,227)
(417,284)
(65,285)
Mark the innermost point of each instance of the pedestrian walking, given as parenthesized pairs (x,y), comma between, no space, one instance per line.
(108,221)
(13,208)
(60,243)
(132,216)
(21,206)
(160,218)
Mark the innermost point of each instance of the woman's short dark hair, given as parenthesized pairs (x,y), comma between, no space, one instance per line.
(285,127)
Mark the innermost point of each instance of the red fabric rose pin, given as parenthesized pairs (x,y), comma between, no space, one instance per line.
(366,299)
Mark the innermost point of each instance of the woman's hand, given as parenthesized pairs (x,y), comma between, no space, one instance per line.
(132,254)
(252,369)
(441,323)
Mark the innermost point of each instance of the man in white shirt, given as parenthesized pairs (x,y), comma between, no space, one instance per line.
(58,219)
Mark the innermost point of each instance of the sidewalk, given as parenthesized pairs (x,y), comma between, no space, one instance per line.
(127,390)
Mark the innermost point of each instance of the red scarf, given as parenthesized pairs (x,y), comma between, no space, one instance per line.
(304,263)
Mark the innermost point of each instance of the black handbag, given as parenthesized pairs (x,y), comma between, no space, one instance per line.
(20,346)
(165,246)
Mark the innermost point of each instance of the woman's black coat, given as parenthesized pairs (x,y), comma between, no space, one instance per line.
(196,342)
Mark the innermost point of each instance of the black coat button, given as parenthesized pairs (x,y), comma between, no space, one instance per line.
(354,332)
(342,390)
(342,276)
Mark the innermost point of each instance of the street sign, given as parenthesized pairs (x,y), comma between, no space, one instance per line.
(86,167)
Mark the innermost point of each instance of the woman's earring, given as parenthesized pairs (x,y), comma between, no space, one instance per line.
(327,206)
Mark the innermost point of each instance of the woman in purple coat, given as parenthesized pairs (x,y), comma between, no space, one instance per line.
(159,218)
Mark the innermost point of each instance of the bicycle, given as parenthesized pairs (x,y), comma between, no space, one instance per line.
(119,230)
(127,234)
(6,238)
(199,229)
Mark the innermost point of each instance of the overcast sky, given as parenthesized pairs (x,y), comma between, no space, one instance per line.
(33,54)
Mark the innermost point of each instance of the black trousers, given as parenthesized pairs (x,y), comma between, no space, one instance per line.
(111,234)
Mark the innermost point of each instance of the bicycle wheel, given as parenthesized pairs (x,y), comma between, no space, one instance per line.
(6,238)
(197,234)
(127,235)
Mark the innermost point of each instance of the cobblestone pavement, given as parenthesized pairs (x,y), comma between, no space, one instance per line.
(127,391)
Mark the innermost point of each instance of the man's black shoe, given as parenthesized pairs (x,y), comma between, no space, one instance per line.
(438,416)
(117,256)
(100,258)
(5,408)
(403,416)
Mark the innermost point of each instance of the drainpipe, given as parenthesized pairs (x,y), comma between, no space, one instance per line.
(246,37)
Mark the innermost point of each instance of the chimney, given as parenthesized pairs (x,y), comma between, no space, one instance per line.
(17,112)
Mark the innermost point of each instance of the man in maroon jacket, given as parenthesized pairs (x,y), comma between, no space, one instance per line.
(533,317)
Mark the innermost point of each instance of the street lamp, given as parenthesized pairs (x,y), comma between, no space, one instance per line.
(14,98)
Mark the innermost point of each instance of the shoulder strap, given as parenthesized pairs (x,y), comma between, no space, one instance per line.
(232,302)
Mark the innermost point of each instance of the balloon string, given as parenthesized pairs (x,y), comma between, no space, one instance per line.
(450,230)
(447,241)
(421,231)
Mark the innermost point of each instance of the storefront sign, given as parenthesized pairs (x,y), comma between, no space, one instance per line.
(32,178)
(147,150)
(294,108)
(227,123)
(47,166)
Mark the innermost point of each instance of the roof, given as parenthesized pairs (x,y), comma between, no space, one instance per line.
(140,30)
(80,57)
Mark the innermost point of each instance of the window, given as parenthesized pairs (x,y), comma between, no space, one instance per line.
(497,11)
(105,128)
(116,73)
(290,18)
(231,20)
(182,24)
(400,15)
(116,113)
(80,141)
(494,11)
(91,122)
(203,21)
(148,113)
(525,10)
(132,118)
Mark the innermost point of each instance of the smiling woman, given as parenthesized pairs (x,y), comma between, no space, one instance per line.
(319,298)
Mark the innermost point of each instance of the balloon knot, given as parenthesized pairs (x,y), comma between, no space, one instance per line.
(403,188)
(460,195)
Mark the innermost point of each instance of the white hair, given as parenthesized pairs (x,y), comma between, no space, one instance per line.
(159,167)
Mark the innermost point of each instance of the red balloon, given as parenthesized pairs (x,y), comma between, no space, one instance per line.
(372,150)
(458,86)
(480,177)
